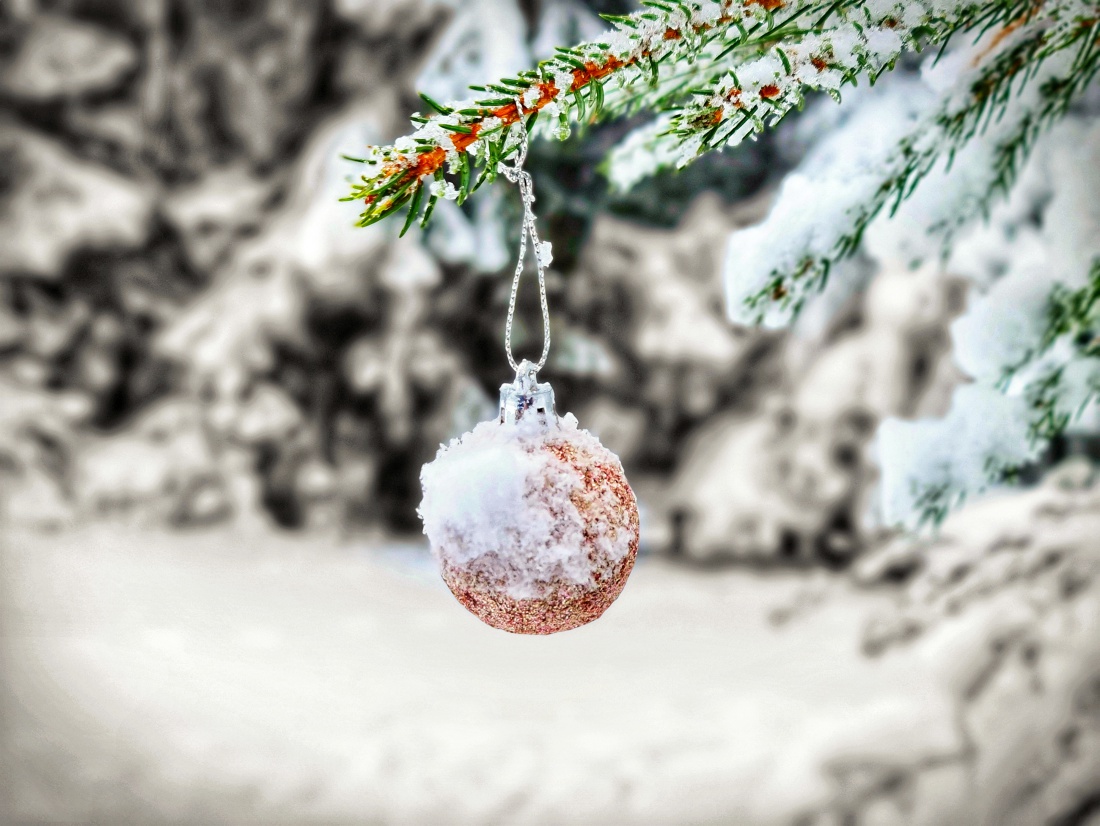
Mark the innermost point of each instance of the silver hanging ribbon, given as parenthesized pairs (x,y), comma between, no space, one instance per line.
(518,175)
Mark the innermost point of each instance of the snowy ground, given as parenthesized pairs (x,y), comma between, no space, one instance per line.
(220,677)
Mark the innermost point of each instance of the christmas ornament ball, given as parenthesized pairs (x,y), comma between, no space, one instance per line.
(531,521)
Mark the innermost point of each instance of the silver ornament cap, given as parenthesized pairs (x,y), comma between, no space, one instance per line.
(526,396)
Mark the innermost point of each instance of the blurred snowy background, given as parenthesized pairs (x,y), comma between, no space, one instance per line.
(216,396)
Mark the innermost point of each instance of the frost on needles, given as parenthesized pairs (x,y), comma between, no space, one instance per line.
(934,155)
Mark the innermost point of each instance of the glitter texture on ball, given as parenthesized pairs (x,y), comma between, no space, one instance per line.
(533,524)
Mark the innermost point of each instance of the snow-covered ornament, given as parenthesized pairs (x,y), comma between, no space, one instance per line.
(530,518)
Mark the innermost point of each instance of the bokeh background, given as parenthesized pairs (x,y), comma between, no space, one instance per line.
(216,395)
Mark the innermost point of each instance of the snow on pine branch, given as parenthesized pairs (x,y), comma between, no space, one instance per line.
(1030,339)
(732,66)
(642,153)
(750,95)
(648,48)
(931,466)
(1012,85)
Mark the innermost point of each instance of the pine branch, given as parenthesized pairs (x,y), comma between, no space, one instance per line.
(726,69)
(1075,314)
(1052,46)
(860,42)
(1073,320)
(1039,397)
(650,60)
(653,55)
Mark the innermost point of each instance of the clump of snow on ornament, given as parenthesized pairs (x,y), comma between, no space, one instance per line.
(530,518)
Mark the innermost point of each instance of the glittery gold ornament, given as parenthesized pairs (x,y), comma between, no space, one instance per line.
(530,518)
